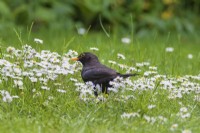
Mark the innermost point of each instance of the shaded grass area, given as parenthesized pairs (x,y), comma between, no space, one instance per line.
(71,115)
(67,113)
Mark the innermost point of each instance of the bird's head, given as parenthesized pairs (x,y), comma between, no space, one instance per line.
(86,58)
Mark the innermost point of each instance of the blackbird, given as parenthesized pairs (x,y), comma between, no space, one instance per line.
(97,73)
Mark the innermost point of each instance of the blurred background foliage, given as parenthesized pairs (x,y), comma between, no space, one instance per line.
(137,16)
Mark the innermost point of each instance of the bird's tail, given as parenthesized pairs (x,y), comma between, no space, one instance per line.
(128,75)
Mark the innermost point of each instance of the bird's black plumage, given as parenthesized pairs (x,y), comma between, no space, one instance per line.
(97,73)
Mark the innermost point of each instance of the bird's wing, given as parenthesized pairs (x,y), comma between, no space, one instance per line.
(98,73)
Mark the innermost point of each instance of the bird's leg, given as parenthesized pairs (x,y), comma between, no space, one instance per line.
(104,89)
(95,92)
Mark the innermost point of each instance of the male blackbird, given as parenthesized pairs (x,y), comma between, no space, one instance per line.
(97,73)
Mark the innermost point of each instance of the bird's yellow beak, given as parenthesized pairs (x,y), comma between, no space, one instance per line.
(74,59)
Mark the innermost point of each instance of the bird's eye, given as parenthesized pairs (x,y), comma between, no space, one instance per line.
(82,55)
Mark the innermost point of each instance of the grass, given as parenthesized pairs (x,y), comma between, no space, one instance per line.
(67,113)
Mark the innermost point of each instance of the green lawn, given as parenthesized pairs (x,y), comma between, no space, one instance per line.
(166,100)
